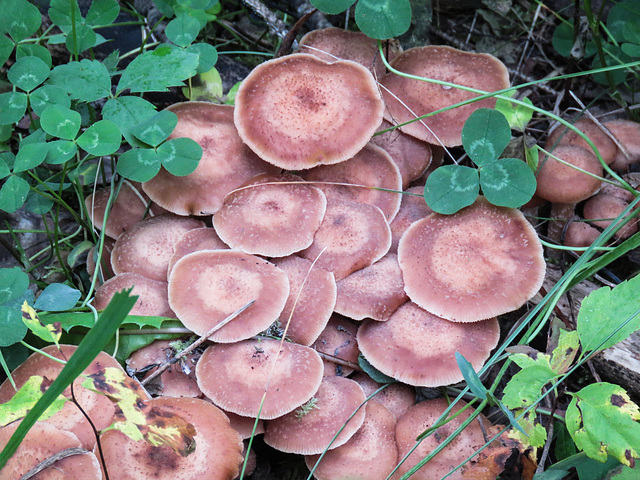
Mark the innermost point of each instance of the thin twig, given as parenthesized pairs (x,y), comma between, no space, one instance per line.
(47,462)
(276,26)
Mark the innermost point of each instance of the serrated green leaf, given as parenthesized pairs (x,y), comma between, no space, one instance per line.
(157,70)
(34,50)
(86,81)
(69,320)
(604,311)
(180,156)
(22,18)
(332,7)
(471,377)
(46,96)
(101,138)
(27,73)
(603,421)
(383,19)
(49,333)
(508,182)
(375,374)
(57,297)
(13,193)
(80,39)
(183,30)
(525,387)
(30,156)
(61,122)
(13,283)
(485,135)
(102,12)
(13,105)
(518,116)
(6,47)
(11,325)
(207,56)
(64,12)
(451,187)
(563,355)
(510,416)
(156,129)
(60,151)
(127,112)
(24,399)
(535,433)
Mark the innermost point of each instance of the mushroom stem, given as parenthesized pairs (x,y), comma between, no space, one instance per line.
(561,213)
(47,462)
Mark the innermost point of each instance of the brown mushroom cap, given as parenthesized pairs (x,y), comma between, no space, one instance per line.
(561,135)
(477,70)
(418,348)
(235,376)
(298,111)
(148,247)
(217,446)
(310,432)
(106,272)
(271,216)
(206,287)
(373,292)
(204,238)
(412,209)
(602,209)
(152,294)
(338,339)
(42,442)
(371,167)
(371,453)
(626,133)
(226,162)
(580,234)
(481,262)
(397,397)
(244,425)
(307,310)
(352,235)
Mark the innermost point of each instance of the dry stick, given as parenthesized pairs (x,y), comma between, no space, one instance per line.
(276,26)
(197,343)
(47,462)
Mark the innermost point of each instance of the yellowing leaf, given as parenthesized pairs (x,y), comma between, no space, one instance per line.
(563,355)
(24,400)
(48,333)
(536,433)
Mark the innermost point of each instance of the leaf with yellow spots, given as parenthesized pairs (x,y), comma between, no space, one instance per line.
(603,421)
(48,333)
(25,398)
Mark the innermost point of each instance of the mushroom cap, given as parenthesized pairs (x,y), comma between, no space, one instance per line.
(152,294)
(372,292)
(206,287)
(559,183)
(312,297)
(271,216)
(561,135)
(412,209)
(310,433)
(226,162)
(371,453)
(298,111)
(628,134)
(235,376)
(352,236)
(476,70)
(147,247)
(397,397)
(480,262)
(204,238)
(607,208)
(42,442)
(338,339)
(580,234)
(371,167)
(217,446)
(418,348)
(106,271)
(244,425)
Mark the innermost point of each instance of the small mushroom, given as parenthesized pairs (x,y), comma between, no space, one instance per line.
(397,397)
(627,134)
(204,238)
(561,135)
(152,294)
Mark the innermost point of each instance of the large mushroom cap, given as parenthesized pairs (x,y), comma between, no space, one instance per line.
(152,294)
(235,376)
(206,287)
(298,111)
(478,263)
(561,135)
(477,70)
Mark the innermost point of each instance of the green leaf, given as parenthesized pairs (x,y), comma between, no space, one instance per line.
(49,333)
(139,164)
(102,12)
(564,446)
(13,283)
(63,12)
(451,187)
(57,297)
(332,7)
(563,355)
(623,13)
(383,19)
(604,311)
(518,116)
(508,182)
(12,107)
(11,325)
(4,169)
(60,122)
(182,30)
(180,156)
(588,469)
(46,96)
(207,56)
(22,18)
(375,374)
(80,39)
(631,49)
(93,342)
(30,156)
(156,129)
(60,151)
(27,73)
(206,87)
(485,135)
(471,377)
(13,194)
(511,417)
(127,112)
(195,4)
(157,70)
(86,81)
(101,138)
(562,39)
(38,204)
(34,50)
(524,388)
(6,47)
(25,399)
(603,421)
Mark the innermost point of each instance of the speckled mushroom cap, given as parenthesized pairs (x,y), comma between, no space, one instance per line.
(477,70)
(561,135)
(244,425)
(371,167)
(147,247)
(152,294)
(310,432)
(206,287)
(372,292)
(352,235)
(271,216)
(627,133)
(235,376)
(312,297)
(204,238)
(412,208)
(397,397)
(480,262)
(42,442)
(338,339)
(371,453)
(601,210)
(298,111)
(226,162)
(217,446)
(418,348)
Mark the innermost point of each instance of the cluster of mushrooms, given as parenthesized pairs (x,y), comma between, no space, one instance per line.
(301,208)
